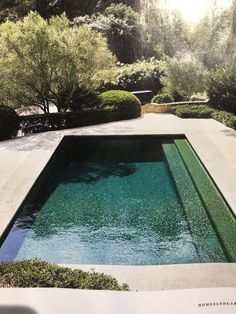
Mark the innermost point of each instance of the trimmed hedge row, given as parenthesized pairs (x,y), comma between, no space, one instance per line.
(222,218)
(192,111)
(38,273)
(228,119)
(65,120)
(112,106)
(204,112)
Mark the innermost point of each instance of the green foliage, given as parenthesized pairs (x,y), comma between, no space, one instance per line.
(47,60)
(37,273)
(221,216)
(228,119)
(162,98)
(192,111)
(204,111)
(184,75)
(9,123)
(122,12)
(124,104)
(221,88)
(214,38)
(142,75)
(65,120)
(165,32)
(120,25)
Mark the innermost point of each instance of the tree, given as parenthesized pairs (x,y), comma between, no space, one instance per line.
(184,75)
(214,38)
(42,61)
(120,24)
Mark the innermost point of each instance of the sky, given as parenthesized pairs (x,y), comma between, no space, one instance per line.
(194,10)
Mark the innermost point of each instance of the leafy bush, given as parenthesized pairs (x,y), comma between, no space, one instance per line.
(37,273)
(192,111)
(226,118)
(204,111)
(222,88)
(43,60)
(162,98)
(142,75)
(9,123)
(65,120)
(122,103)
(184,75)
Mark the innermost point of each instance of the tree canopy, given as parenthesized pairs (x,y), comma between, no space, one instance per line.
(42,61)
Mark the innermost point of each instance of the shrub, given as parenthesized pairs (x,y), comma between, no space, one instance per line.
(123,104)
(42,60)
(9,123)
(162,98)
(204,111)
(222,88)
(142,75)
(37,273)
(65,120)
(226,118)
(184,76)
(192,111)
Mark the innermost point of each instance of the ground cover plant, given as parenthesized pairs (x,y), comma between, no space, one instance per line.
(38,273)
(204,111)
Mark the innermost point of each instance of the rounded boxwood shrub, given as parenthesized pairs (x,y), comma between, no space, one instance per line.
(121,104)
(9,122)
(38,273)
(162,98)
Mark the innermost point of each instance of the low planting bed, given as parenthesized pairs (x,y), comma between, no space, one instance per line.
(37,273)
(204,112)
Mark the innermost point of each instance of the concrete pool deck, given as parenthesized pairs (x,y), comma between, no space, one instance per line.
(23,159)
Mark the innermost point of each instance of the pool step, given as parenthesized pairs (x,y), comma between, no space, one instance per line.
(206,241)
(217,209)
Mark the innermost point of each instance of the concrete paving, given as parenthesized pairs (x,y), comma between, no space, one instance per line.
(61,301)
(23,159)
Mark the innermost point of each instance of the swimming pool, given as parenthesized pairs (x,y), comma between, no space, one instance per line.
(127,200)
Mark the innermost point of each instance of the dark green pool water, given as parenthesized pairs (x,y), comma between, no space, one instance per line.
(119,211)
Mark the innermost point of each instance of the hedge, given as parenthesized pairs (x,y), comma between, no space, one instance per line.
(192,111)
(66,120)
(203,112)
(38,273)
(227,118)
(9,123)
